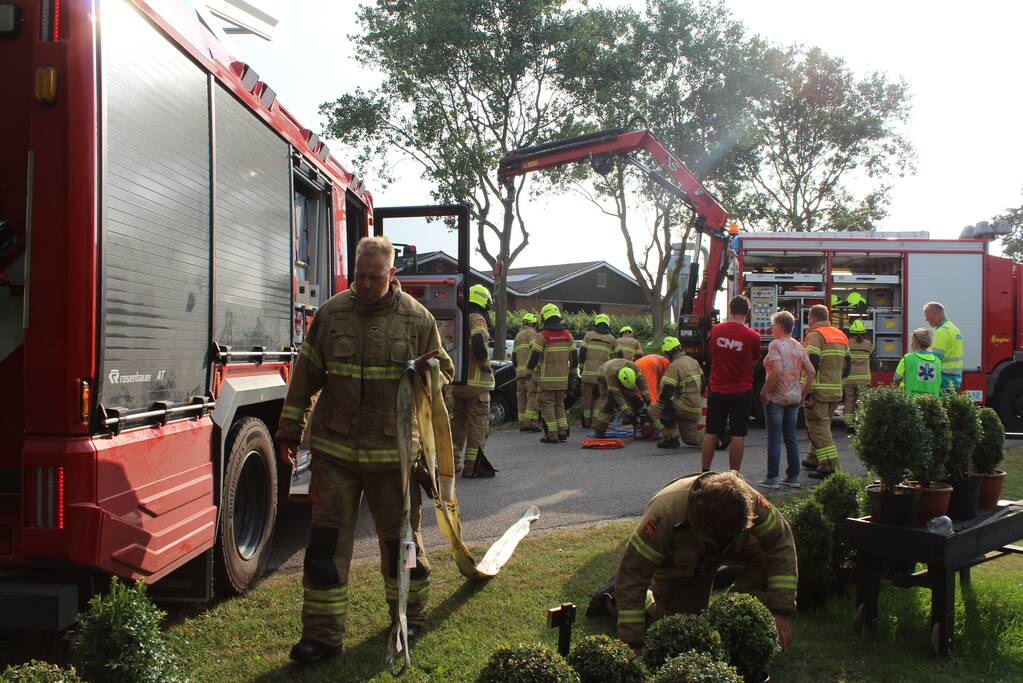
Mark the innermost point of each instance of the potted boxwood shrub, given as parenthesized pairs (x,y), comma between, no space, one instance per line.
(934,494)
(891,439)
(813,533)
(839,495)
(748,632)
(987,455)
(965,426)
(696,667)
(534,663)
(678,633)
(601,659)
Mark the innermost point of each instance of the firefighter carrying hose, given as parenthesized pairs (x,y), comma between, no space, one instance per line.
(828,349)
(860,348)
(553,359)
(469,404)
(525,386)
(622,387)
(689,529)
(679,403)
(354,355)
(595,351)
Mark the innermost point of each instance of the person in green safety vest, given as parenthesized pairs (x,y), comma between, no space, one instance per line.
(919,371)
(947,345)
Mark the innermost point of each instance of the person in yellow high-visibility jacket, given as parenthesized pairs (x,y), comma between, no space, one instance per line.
(947,346)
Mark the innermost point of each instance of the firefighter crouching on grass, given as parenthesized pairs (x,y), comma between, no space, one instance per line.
(679,402)
(525,386)
(828,349)
(690,528)
(622,387)
(627,346)
(354,355)
(553,359)
(595,351)
(860,348)
(469,404)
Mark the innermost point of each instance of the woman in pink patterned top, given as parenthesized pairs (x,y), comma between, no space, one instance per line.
(789,378)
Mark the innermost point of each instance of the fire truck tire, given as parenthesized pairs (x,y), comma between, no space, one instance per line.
(248,509)
(1009,404)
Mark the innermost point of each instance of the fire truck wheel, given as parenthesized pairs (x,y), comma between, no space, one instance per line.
(248,508)
(1009,404)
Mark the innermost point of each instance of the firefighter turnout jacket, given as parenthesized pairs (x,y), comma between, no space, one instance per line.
(521,350)
(859,365)
(481,375)
(354,355)
(595,350)
(610,386)
(681,385)
(671,546)
(627,347)
(553,356)
(831,347)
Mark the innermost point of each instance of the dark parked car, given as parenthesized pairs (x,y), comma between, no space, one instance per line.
(503,404)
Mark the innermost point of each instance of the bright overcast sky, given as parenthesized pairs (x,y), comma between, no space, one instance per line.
(960,61)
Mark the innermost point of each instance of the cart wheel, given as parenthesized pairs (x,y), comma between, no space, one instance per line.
(860,620)
(936,639)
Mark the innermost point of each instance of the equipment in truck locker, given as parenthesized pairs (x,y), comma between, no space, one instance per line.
(764,302)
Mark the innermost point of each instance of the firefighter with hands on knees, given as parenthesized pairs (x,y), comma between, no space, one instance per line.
(627,346)
(469,403)
(354,356)
(947,346)
(526,398)
(680,398)
(691,528)
(828,348)
(596,349)
(622,387)
(860,348)
(553,360)
(919,371)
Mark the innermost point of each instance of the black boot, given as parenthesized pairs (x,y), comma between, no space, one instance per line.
(483,468)
(309,651)
(670,443)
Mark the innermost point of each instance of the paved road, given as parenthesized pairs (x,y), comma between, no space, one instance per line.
(571,485)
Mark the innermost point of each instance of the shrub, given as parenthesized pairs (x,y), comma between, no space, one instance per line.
(965,426)
(696,667)
(680,633)
(601,659)
(39,672)
(814,535)
(939,433)
(526,664)
(118,639)
(990,448)
(839,495)
(581,323)
(890,436)
(748,632)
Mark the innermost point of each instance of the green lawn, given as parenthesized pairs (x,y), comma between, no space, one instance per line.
(248,638)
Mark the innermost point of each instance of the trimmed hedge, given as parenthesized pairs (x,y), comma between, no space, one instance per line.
(679,633)
(581,323)
(748,632)
(696,667)
(38,672)
(601,659)
(526,664)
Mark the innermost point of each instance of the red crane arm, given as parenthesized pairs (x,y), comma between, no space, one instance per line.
(598,148)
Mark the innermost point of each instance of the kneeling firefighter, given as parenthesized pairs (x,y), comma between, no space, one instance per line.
(680,399)
(622,387)
(469,404)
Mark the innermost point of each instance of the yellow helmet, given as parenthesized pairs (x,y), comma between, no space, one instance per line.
(549,311)
(625,330)
(857,327)
(601,318)
(480,295)
(855,299)
(529,318)
(834,299)
(670,344)
(627,376)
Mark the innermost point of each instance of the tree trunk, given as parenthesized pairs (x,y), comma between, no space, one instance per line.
(501,281)
(656,316)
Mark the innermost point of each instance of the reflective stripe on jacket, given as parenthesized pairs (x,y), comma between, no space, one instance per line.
(859,366)
(948,346)
(481,375)
(521,351)
(598,350)
(555,348)
(832,347)
(628,348)
(685,374)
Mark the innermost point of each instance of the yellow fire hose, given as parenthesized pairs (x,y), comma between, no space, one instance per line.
(425,403)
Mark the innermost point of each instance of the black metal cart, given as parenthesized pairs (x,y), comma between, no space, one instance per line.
(881,549)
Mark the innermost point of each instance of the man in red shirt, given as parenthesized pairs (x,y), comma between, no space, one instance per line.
(734,348)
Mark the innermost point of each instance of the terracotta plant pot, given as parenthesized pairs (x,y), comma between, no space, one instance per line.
(897,508)
(964,500)
(990,488)
(933,501)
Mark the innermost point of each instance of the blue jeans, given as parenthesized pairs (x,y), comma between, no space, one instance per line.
(782,420)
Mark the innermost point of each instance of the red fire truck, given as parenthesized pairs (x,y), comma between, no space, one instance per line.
(167,230)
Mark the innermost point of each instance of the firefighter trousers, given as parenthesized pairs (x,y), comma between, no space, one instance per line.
(675,423)
(851,394)
(589,399)
(823,450)
(470,424)
(336,492)
(552,412)
(525,399)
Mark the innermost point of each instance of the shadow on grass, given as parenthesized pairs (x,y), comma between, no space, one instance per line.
(581,586)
